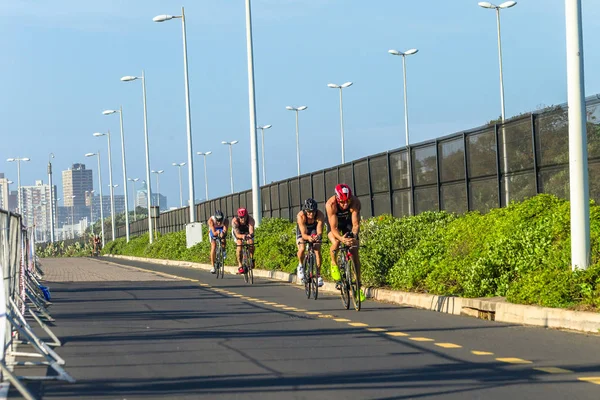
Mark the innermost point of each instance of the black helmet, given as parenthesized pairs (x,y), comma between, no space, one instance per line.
(310,205)
(219,216)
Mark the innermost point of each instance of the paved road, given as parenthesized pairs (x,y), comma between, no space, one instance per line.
(205,338)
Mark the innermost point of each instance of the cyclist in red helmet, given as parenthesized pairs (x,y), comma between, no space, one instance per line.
(243,229)
(343,214)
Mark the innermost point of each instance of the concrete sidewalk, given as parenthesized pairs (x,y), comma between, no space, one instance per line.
(495,309)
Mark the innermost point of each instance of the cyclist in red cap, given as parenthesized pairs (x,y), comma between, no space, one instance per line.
(243,229)
(343,214)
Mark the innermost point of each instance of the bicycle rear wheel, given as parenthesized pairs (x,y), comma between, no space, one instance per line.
(219,262)
(245,263)
(353,284)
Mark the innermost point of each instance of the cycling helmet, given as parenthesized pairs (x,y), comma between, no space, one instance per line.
(219,216)
(310,205)
(242,212)
(343,193)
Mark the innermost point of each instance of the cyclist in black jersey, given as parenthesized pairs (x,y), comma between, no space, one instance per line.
(309,228)
(343,214)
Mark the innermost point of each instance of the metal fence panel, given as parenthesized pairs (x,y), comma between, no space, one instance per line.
(294,192)
(305,188)
(345,175)
(552,137)
(426,199)
(452,160)
(594,170)
(519,147)
(381,204)
(484,194)
(284,197)
(365,203)
(399,170)
(401,203)
(454,198)
(331,180)
(265,198)
(521,186)
(593,130)
(555,181)
(378,169)
(361,179)
(481,153)
(285,213)
(274,197)
(319,186)
(424,165)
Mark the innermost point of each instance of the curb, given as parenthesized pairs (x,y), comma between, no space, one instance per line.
(493,309)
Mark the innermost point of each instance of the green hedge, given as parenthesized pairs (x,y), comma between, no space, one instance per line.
(521,252)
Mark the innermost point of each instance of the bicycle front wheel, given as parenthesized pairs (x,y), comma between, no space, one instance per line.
(314,279)
(353,284)
(307,274)
(344,290)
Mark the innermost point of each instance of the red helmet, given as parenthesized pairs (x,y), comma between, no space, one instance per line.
(242,212)
(343,193)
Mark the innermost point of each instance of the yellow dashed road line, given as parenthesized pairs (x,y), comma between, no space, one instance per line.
(341,320)
(357,324)
(513,360)
(290,308)
(376,329)
(482,353)
(448,345)
(554,370)
(421,339)
(325,316)
(397,334)
(313,313)
(591,379)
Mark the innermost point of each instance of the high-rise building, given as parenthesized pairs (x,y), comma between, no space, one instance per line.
(4,193)
(76,181)
(36,208)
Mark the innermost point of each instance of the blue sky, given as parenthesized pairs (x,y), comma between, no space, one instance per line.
(62,62)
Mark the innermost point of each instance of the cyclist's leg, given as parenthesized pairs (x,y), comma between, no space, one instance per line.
(213,250)
(333,250)
(251,251)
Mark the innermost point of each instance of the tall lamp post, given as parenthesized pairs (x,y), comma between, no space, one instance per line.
(262,131)
(134,197)
(120,111)
(179,165)
(301,108)
(148,185)
(408,153)
(341,87)
(205,173)
(91,192)
(110,184)
(19,197)
(230,144)
(506,4)
(72,217)
(160,171)
(162,18)
(51,156)
(97,154)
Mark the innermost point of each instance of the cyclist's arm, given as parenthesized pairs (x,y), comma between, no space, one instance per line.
(320,223)
(333,222)
(356,217)
(211,227)
(236,231)
(302,226)
(251,226)
(225,225)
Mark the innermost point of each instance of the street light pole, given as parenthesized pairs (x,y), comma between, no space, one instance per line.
(162,18)
(120,111)
(179,165)
(578,156)
(92,211)
(205,173)
(297,109)
(110,180)
(262,129)
(72,218)
(148,185)
(341,87)
(160,171)
(51,197)
(20,198)
(230,144)
(97,154)
(507,4)
(134,180)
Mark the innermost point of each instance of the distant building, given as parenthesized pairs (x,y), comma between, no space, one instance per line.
(37,207)
(76,182)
